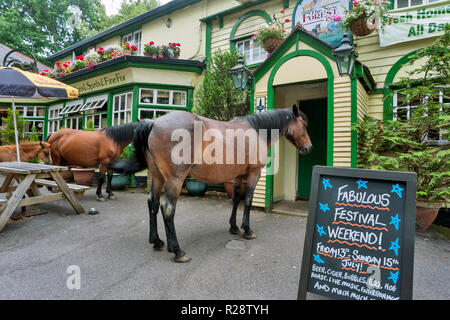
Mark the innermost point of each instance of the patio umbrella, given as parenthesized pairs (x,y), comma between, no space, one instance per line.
(16,83)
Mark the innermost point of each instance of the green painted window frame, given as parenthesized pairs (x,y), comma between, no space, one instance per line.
(253,13)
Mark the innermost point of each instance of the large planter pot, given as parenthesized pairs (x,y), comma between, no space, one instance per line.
(426,212)
(119,181)
(67,175)
(359,27)
(271,44)
(83,176)
(229,189)
(196,188)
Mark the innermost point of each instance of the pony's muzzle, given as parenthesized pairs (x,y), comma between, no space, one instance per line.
(306,149)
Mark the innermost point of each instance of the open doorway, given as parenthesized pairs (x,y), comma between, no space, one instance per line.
(293,180)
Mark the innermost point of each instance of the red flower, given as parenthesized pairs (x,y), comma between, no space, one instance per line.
(134,48)
(178,44)
(58,64)
(81,58)
(101,51)
(152,43)
(287,20)
(282,11)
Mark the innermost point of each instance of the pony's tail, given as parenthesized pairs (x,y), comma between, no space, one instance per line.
(140,142)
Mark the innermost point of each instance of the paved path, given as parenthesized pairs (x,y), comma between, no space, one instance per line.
(116,261)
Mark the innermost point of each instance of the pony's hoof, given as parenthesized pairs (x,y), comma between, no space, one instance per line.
(184,259)
(101,199)
(112,197)
(235,230)
(159,246)
(249,235)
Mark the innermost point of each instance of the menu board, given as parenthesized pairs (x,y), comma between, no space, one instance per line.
(359,240)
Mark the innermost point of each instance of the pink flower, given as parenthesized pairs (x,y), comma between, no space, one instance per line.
(337,18)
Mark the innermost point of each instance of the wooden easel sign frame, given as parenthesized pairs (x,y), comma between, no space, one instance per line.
(359,242)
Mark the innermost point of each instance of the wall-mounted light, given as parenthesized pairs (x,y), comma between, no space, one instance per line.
(345,56)
(240,75)
(168,22)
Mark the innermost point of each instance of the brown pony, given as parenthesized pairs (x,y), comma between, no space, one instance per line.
(28,151)
(157,146)
(91,148)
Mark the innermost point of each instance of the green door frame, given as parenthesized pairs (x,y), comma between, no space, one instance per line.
(330,109)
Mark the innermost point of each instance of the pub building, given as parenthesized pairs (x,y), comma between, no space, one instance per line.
(302,70)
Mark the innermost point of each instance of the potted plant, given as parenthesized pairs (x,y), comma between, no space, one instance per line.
(271,35)
(119,180)
(195,187)
(417,142)
(150,50)
(363,10)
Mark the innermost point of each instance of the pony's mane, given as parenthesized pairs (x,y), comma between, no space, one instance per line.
(122,133)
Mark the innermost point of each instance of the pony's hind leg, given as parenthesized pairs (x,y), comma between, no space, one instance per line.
(111,195)
(172,191)
(153,208)
(101,180)
(234,229)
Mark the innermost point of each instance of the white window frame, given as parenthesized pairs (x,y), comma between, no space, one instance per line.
(252,46)
(25,110)
(34,122)
(131,39)
(424,2)
(100,116)
(69,121)
(155,97)
(149,110)
(408,116)
(96,102)
(72,107)
(126,112)
(54,118)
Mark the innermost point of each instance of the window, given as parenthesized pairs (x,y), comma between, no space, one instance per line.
(252,52)
(151,113)
(122,108)
(163,97)
(98,119)
(54,118)
(38,124)
(404,112)
(399,4)
(74,123)
(72,107)
(94,103)
(134,38)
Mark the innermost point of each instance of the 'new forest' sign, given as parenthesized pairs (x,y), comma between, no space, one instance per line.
(360,235)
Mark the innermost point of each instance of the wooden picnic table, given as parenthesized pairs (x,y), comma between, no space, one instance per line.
(30,177)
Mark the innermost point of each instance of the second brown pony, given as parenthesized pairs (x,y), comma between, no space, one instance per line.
(91,148)
(28,151)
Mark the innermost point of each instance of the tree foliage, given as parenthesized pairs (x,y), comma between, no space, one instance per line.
(41,25)
(413,144)
(216,97)
(7,132)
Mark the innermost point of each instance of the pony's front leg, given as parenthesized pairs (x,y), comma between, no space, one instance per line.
(252,180)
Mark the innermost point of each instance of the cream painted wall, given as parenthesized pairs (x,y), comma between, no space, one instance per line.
(300,69)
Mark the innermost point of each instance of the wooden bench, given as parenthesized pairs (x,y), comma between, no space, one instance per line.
(78,190)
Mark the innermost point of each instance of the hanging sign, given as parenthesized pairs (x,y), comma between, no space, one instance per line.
(415,23)
(316,16)
(360,235)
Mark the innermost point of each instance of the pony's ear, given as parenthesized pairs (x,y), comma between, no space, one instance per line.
(42,145)
(295,110)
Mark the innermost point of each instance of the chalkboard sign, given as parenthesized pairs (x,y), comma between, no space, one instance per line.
(359,240)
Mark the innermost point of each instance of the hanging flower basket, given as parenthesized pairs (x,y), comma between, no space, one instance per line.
(359,27)
(271,44)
